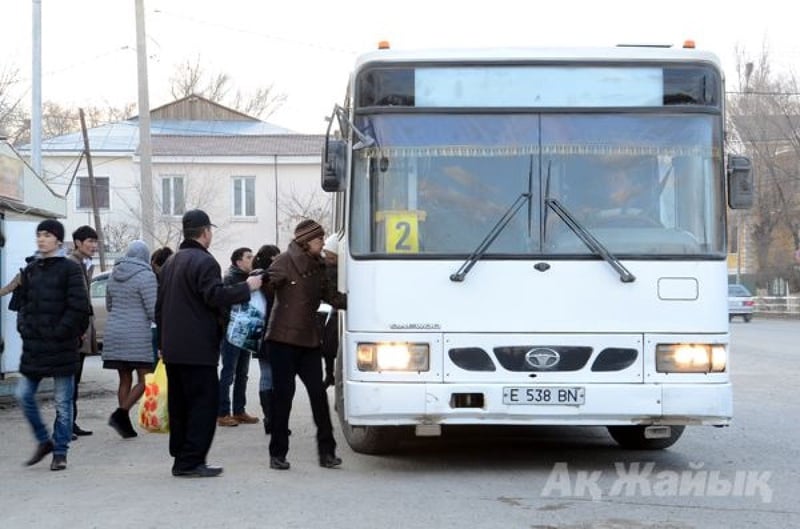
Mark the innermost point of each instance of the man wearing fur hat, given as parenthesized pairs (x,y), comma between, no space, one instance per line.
(298,279)
(53,313)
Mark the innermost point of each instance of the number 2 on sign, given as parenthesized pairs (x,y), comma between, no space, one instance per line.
(402,233)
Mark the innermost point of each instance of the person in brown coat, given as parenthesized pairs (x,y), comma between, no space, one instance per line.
(298,279)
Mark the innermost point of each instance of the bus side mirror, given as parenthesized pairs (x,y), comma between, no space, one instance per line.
(741,191)
(333,165)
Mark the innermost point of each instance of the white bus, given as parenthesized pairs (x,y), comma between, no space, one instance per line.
(533,237)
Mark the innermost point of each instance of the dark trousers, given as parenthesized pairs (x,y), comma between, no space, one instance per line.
(78,375)
(288,362)
(192,399)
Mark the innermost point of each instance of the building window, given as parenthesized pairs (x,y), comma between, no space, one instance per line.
(172,196)
(244,196)
(101,193)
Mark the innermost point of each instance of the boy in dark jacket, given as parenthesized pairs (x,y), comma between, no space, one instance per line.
(53,313)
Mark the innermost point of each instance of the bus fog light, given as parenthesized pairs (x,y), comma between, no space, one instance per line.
(691,358)
(393,356)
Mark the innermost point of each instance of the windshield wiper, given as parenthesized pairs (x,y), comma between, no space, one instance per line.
(479,252)
(589,240)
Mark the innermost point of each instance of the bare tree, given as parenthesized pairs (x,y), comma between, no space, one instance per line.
(58,120)
(296,206)
(190,78)
(765,120)
(12,115)
(118,235)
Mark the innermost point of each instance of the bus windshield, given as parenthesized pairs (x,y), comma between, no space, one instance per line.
(434,185)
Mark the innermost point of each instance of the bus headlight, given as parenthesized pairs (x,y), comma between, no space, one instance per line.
(691,358)
(393,357)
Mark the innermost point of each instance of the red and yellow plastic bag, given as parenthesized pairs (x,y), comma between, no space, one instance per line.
(153,414)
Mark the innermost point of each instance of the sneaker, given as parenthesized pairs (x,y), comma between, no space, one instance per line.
(59,462)
(200,471)
(227,420)
(244,418)
(329,461)
(42,450)
(279,463)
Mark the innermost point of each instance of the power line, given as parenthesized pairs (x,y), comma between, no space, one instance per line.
(760,93)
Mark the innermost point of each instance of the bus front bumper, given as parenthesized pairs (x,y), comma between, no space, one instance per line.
(374,404)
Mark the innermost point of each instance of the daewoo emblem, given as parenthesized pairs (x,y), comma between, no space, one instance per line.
(542,358)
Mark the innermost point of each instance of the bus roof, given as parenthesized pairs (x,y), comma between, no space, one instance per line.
(621,53)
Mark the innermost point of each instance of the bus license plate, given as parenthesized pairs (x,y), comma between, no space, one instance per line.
(559,395)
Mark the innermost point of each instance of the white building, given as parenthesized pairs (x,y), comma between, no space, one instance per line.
(254,179)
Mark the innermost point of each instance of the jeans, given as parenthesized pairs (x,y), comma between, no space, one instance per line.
(235,366)
(62,427)
(265,381)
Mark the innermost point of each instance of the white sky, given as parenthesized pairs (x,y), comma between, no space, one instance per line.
(307,48)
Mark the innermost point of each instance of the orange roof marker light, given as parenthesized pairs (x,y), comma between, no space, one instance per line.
(384,45)
(688,44)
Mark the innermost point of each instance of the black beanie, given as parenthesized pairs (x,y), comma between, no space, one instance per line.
(308,230)
(52,226)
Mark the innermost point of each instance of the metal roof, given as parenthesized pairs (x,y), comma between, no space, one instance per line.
(244,145)
(124,135)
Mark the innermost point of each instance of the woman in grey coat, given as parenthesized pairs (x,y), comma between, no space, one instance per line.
(131,301)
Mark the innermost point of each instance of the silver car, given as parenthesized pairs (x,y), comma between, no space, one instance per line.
(98,290)
(740,302)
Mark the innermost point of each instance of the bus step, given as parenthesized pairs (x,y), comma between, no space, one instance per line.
(428,430)
(657,432)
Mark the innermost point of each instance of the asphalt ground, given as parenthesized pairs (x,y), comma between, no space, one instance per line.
(113,482)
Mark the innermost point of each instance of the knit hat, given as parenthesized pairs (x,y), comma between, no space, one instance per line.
(308,230)
(53,227)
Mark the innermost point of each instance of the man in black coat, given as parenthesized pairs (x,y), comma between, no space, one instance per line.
(53,313)
(191,301)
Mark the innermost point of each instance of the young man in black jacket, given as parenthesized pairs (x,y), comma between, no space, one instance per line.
(191,298)
(53,313)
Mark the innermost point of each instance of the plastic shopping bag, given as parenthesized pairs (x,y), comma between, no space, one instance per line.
(246,323)
(153,414)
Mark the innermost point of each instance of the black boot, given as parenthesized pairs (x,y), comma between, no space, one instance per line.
(266,407)
(128,425)
(121,422)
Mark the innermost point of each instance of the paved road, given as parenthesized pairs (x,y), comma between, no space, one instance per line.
(545,478)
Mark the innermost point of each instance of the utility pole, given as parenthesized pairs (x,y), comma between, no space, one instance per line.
(36,90)
(145,146)
(101,247)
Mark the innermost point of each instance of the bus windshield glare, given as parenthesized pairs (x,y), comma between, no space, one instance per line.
(434,184)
